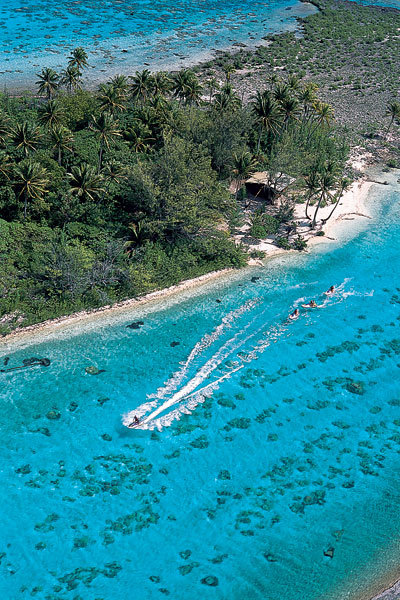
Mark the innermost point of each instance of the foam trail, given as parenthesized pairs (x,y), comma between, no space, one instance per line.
(191,402)
(188,392)
(223,353)
(206,341)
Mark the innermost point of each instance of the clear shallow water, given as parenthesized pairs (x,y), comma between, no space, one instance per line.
(295,454)
(124,35)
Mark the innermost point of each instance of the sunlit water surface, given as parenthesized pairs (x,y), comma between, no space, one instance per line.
(124,35)
(282,485)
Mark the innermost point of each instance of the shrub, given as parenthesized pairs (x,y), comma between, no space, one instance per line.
(299,243)
(283,243)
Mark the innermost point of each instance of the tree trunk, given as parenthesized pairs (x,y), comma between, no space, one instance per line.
(59,156)
(25,204)
(259,139)
(100,156)
(308,204)
(316,211)
(340,194)
(390,125)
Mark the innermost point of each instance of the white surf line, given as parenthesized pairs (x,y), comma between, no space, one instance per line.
(207,340)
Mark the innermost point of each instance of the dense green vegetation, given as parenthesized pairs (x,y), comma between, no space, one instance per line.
(110,194)
(351,51)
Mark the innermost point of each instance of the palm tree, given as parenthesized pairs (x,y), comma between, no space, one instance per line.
(114,171)
(139,137)
(324,112)
(267,114)
(5,165)
(290,109)
(326,182)
(392,111)
(141,85)
(244,165)
(308,98)
(51,114)
(228,70)
(85,183)
(281,91)
(323,116)
(71,77)
(120,83)
(112,99)
(344,184)
(31,180)
(62,139)
(226,99)
(160,84)
(26,137)
(48,82)
(106,129)
(137,235)
(186,87)
(311,184)
(212,85)
(78,58)
(4,127)
(193,92)
(294,83)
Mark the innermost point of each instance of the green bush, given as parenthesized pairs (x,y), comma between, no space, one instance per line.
(283,243)
(299,243)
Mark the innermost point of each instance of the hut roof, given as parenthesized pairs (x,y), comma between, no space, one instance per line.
(263,178)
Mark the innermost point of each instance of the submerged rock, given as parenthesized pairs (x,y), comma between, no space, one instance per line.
(355,387)
(210,580)
(24,470)
(329,552)
(53,415)
(102,401)
(135,325)
(269,557)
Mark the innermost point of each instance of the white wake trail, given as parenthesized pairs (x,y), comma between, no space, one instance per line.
(191,394)
(207,340)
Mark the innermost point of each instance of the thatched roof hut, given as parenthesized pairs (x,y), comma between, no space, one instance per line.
(266,187)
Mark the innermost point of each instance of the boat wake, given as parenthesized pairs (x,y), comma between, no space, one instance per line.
(177,398)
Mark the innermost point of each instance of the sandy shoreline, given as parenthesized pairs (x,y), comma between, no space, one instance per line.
(351,207)
(389,593)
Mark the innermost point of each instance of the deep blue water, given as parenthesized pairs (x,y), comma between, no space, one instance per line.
(294,455)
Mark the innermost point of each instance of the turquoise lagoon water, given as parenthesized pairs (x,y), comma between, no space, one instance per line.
(124,35)
(297,454)
(127,34)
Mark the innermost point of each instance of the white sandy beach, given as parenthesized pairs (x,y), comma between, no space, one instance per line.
(351,208)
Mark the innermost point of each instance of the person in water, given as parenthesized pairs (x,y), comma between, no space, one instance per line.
(134,423)
(330,291)
(311,304)
(295,314)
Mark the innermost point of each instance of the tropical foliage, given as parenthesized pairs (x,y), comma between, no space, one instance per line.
(109,194)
